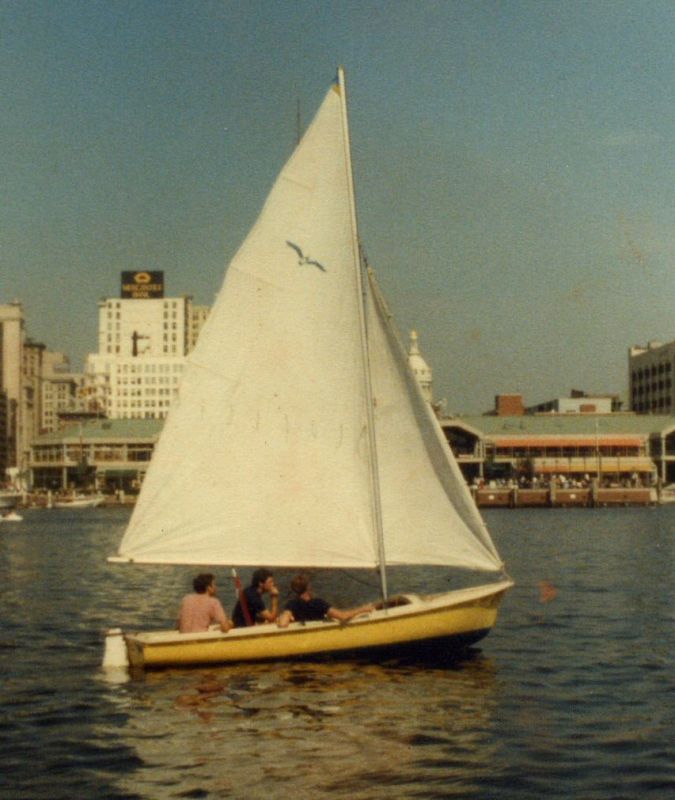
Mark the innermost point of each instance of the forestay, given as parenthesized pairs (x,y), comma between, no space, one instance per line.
(264,457)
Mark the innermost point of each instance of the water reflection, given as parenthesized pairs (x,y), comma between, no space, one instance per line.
(339,729)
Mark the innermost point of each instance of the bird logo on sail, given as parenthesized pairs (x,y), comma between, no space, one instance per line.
(303,259)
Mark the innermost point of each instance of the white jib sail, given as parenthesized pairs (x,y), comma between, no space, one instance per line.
(264,455)
(429,516)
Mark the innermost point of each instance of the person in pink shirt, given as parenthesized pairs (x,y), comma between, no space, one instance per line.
(202,609)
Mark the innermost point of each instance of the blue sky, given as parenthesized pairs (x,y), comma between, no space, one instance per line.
(513,162)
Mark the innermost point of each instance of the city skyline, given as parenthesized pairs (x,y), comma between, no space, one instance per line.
(512,165)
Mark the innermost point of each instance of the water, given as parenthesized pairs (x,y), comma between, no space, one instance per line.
(571,696)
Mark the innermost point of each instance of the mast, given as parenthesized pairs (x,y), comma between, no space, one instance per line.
(376,499)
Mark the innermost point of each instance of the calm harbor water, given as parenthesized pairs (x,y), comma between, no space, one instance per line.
(571,696)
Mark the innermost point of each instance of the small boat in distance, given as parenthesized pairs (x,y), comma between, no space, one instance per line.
(300,438)
(10,516)
(79,501)
(667,494)
(9,498)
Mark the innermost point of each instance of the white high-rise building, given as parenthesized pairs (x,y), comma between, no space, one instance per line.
(12,338)
(142,343)
(21,381)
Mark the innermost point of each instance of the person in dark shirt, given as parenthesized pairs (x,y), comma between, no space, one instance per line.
(304,607)
(252,605)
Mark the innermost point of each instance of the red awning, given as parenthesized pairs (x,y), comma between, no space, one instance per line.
(609,466)
(567,441)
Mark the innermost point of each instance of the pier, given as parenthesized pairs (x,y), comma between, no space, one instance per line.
(555,497)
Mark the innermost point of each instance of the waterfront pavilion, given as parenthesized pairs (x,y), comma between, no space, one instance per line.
(109,455)
(612,448)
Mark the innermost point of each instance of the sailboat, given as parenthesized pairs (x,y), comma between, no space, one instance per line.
(9,498)
(79,501)
(300,438)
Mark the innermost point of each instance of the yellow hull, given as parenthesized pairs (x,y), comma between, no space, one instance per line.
(444,620)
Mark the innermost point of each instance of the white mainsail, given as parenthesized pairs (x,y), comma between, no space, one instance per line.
(265,455)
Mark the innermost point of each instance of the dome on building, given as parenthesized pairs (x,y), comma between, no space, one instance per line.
(421,370)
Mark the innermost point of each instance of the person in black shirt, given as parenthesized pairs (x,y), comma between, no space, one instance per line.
(304,607)
(262,582)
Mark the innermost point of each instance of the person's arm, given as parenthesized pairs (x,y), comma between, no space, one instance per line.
(221,617)
(285,618)
(344,615)
(273,613)
(226,626)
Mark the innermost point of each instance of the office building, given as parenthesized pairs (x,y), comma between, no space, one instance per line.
(11,347)
(61,390)
(650,378)
(143,339)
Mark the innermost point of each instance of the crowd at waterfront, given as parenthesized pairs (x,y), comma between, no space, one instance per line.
(546,486)
(586,481)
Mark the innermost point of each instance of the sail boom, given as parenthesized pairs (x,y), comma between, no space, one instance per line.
(312,564)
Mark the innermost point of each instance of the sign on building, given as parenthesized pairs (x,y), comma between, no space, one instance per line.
(142,285)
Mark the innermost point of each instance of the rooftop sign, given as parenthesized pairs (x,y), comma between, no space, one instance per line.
(142,285)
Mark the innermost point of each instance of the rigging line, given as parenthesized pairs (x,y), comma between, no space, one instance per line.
(368,583)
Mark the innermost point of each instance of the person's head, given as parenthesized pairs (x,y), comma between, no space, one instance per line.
(300,584)
(260,578)
(202,582)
